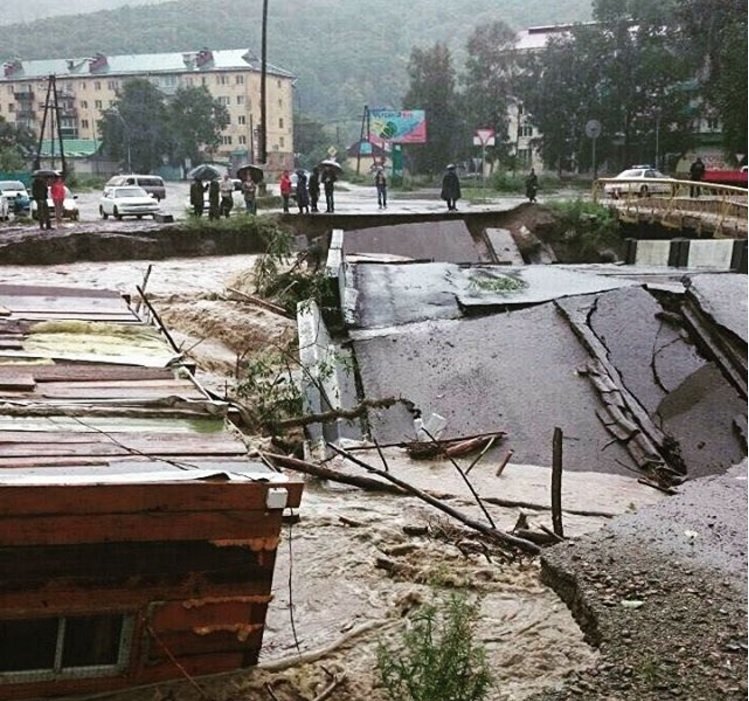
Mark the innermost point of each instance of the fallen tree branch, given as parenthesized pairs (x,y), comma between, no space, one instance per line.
(490,532)
(269,306)
(328,474)
(338,679)
(332,414)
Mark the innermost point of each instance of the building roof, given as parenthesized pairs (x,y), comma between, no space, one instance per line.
(203,61)
(74,148)
(535,38)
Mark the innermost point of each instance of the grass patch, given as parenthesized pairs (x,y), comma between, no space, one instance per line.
(497,285)
(589,232)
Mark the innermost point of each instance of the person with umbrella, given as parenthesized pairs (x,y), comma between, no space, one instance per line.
(249,193)
(213,196)
(314,188)
(302,196)
(531,185)
(451,189)
(227,195)
(57,192)
(197,190)
(39,193)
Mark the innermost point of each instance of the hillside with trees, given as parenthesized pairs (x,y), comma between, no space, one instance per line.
(346,54)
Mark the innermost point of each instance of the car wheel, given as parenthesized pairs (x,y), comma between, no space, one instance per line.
(116,214)
(104,215)
(139,216)
(644,191)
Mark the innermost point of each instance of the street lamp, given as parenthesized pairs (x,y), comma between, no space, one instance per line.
(263,134)
(117,114)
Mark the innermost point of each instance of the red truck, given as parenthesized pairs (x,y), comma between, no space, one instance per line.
(738,178)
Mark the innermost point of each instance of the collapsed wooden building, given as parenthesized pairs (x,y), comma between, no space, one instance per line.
(137,541)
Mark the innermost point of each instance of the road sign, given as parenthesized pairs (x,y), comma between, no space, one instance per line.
(592,129)
(485,137)
(332,151)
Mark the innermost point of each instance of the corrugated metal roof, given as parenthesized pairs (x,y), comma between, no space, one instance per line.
(139,64)
(74,148)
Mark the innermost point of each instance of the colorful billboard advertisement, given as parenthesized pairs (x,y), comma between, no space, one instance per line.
(398,126)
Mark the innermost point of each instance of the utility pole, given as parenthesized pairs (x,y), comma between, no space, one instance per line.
(262,136)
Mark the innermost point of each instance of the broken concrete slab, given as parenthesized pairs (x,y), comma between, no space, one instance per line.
(447,240)
(515,372)
(724,299)
(503,246)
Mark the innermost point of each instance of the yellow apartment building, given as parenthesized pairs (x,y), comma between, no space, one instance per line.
(88,86)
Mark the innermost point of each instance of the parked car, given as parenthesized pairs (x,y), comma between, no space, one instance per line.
(152,184)
(128,201)
(69,206)
(643,181)
(17,197)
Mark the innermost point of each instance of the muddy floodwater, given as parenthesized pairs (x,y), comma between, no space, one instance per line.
(347,574)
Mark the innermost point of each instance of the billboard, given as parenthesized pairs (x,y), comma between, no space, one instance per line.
(398,126)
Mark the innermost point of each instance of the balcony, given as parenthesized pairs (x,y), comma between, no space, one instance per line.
(23,96)
(25,115)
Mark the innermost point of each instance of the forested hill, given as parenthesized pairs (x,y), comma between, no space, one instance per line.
(346,53)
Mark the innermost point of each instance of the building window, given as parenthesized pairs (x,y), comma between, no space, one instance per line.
(84,104)
(112,84)
(11,107)
(97,104)
(242,140)
(278,83)
(221,80)
(524,156)
(239,79)
(224,100)
(241,119)
(240,99)
(83,86)
(713,124)
(281,141)
(280,103)
(280,123)
(520,109)
(188,80)
(525,130)
(55,648)
(84,124)
(10,90)
(97,85)
(226,140)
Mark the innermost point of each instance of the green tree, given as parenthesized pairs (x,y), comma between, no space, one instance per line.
(432,88)
(16,145)
(195,122)
(490,70)
(136,128)
(715,38)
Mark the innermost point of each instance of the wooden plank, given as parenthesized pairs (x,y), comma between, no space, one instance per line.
(71,371)
(94,391)
(142,498)
(184,616)
(60,600)
(112,528)
(17,382)
(238,637)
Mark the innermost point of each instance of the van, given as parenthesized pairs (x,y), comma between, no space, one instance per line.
(152,184)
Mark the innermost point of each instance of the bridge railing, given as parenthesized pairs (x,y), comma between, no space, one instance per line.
(671,196)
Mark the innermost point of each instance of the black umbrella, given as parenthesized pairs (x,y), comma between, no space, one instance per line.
(330,163)
(204,172)
(46,173)
(255,172)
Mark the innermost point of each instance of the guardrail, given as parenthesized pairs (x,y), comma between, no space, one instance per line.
(723,209)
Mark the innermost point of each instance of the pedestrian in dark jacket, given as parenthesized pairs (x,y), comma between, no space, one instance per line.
(302,196)
(381,184)
(39,193)
(451,188)
(197,190)
(214,192)
(313,186)
(531,185)
(328,183)
(696,173)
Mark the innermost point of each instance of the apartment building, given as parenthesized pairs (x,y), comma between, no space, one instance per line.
(89,86)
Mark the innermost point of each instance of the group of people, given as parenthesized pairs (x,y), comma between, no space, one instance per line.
(43,189)
(221,196)
(307,190)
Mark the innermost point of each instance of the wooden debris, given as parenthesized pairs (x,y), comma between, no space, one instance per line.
(265,304)
(337,680)
(504,462)
(453,447)
(556,483)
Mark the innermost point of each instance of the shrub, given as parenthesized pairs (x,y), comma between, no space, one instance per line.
(438,659)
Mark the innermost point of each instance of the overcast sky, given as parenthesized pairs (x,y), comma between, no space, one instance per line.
(25,11)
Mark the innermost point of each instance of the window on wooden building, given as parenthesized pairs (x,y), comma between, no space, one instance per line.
(74,646)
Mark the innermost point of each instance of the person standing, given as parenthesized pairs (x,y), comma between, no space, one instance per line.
(381,184)
(531,185)
(313,186)
(57,192)
(196,197)
(227,195)
(249,193)
(328,183)
(285,186)
(39,193)
(302,196)
(214,191)
(696,173)
(451,189)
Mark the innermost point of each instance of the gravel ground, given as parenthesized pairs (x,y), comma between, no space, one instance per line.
(663,596)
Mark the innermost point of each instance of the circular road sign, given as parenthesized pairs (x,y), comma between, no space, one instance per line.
(593,129)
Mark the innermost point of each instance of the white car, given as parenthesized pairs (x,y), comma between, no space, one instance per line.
(4,216)
(640,180)
(128,201)
(69,207)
